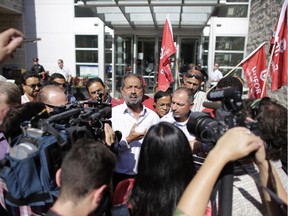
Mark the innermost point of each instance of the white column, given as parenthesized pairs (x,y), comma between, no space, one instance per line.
(101,49)
(212,42)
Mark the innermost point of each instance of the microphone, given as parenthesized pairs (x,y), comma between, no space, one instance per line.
(105,112)
(211,105)
(118,135)
(223,93)
(64,115)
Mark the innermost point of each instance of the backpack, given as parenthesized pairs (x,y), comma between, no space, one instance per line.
(29,169)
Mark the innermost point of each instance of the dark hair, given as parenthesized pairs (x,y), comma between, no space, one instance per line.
(230,81)
(87,166)
(164,170)
(27,74)
(19,114)
(161,94)
(93,80)
(56,76)
(272,119)
(132,75)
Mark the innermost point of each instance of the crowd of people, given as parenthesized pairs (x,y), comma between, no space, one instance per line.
(152,167)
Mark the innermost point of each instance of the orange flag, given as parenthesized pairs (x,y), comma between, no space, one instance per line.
(168,48)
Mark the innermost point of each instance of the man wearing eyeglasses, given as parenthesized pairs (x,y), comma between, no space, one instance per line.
(192,80)
(30,82)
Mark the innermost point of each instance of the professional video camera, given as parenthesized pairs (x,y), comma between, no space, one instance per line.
(34,157)
(230,114)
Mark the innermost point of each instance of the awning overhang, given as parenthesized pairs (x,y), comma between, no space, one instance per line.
(131,15)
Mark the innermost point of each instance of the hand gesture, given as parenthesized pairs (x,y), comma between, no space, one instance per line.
(135,135)
(109,134)
(10,40)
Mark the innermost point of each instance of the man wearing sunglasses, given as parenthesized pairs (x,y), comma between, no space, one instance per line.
(30,82)
(54,98)
(192,80)
(58,79)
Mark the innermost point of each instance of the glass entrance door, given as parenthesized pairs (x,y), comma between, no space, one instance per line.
(146,61)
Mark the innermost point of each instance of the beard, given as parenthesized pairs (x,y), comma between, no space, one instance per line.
(132,99)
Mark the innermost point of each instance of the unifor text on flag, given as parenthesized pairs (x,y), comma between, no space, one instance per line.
(254,67)
(167,49)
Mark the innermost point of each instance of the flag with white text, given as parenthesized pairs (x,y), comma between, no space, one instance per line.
(168,48)
(279,63)
(254,67)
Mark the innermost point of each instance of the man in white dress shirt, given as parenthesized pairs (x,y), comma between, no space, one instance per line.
(215,75)
(182,102)
(132,119)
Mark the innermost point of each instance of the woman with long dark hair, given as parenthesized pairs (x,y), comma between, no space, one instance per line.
(165,168)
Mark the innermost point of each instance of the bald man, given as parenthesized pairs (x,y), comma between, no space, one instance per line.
(52,97)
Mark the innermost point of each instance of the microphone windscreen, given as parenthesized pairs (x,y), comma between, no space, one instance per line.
(211,105)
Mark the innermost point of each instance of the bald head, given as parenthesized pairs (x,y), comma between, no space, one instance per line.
(52,96)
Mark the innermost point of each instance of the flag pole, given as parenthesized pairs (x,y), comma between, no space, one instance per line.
(239,65)
(225,76)
(268,69)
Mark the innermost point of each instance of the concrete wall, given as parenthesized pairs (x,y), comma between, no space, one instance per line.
(11,16)
(263,17)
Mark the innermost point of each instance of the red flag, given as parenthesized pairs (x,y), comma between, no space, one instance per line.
(167,49)
(254,67)
(279,63)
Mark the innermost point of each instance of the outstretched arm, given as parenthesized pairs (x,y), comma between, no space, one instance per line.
(234,144)
(269,179)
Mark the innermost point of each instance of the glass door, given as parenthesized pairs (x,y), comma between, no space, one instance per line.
(146,64)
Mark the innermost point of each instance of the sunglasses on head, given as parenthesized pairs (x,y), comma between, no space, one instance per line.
(193,76)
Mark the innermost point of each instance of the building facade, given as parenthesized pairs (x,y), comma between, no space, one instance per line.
(108,38)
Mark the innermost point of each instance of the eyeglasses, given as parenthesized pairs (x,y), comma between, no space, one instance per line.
(164,105)
(33,86)
(193,76)
(96,92)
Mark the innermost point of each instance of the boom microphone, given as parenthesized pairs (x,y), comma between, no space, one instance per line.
(217,95)
(211,105)
(64,115)
(105,112)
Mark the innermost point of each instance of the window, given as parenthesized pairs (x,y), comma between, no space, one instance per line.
(86,48)
(233,11)
(230,43)
(229,52)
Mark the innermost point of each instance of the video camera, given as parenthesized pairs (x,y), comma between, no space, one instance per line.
(230,114)
(35,155)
